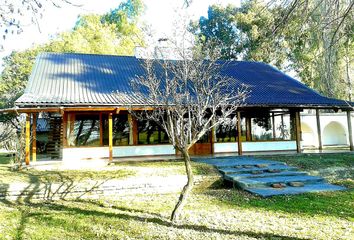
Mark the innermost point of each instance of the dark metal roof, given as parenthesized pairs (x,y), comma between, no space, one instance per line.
(70,79)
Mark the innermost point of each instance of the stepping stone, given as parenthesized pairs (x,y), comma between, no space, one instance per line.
(235,161)
(261,165)
(267,181)
(228,170)
(278,185)
(248,166)
(236,176)
(296,184)
(269,191)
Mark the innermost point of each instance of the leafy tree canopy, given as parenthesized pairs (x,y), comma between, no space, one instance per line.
(312,37)
(116,33)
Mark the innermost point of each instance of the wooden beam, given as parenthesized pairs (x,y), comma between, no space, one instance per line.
(110,136)
(319,132)
(34,137)
(248,129)
(350,130)
(239,132)
(130,121)
(298,131)
(273,126)
(101,130)
(135,130)
(65,129)
(212,139)
(28,139)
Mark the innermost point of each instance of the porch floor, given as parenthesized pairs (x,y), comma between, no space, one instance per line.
(98,163)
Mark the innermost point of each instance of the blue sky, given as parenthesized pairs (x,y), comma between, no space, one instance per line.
(159,15)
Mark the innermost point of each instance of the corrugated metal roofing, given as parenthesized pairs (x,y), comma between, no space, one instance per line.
(66,79)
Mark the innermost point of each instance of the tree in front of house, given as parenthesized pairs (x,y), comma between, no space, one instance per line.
(190,97)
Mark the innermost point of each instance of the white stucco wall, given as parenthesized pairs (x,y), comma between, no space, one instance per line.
(269,146)
(334,129)
(147,150)
(255,146)
(225,147)
(85,153)
(119,151)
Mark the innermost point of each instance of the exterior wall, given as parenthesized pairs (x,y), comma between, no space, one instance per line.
(269,146)
(225,147)
(255,146)
(334,129)
(143,150)
(118,151)
(85,153)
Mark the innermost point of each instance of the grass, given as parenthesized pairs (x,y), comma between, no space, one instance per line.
(37,176)
(316,161)
(215,212)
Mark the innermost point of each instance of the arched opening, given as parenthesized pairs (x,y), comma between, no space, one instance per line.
(308,136)
(334,134)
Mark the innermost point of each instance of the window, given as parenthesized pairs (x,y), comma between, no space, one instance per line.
(227,132)
(261,128)
(150,133)
(121,130)
(85,131)
(282,127)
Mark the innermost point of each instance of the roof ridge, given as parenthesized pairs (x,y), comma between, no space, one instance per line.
(87,54)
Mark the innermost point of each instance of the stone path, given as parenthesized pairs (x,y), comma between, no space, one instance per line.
(267,178)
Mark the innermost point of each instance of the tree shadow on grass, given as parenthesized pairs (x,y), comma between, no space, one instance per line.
(29,209)
(133,214)
(39,190)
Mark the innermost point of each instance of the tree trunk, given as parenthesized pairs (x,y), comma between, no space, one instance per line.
(186,189)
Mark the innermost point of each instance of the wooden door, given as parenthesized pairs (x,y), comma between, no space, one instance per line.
(203,147)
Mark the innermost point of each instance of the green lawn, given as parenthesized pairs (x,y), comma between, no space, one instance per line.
(36,176)
(315,161)
(215,212)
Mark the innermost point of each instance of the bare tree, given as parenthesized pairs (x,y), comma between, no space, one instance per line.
(17,14)
(189,97)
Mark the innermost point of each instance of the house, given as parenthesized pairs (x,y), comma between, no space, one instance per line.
(87,97)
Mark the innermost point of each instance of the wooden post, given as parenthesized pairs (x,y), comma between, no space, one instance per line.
(130,121)
(273,126)
(101,130)
(28,139)
(110,137)
(34,137)
(350,130)
(212,139)
(248,129)
(298,131)
(239,140)
(135,131)
(65,127)
(319,133)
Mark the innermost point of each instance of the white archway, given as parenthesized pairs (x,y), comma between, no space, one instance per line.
(308,135)
(334,134)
